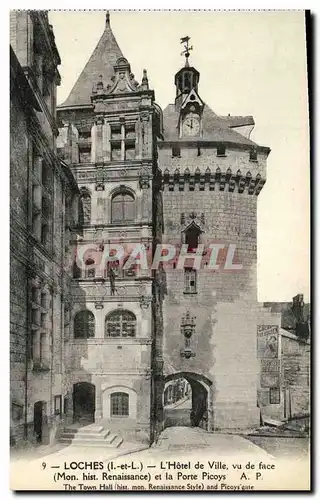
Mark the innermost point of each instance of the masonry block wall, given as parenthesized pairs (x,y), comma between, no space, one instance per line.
(225,303)
(108,128)
(38,212)
(18,263)
(211,174)
(295,368)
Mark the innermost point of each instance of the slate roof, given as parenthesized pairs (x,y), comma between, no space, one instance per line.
(215,128)
(238,121)
(101,62)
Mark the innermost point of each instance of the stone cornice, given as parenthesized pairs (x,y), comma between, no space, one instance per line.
(213,181)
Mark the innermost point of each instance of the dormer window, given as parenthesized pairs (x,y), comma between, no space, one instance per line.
(221,150)
(253,155)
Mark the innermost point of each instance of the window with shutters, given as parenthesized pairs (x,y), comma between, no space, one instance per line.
(120,324)
(119,404)
(84,325)
(123,207)
(190,280)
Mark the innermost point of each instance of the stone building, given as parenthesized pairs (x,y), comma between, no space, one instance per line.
(118,332)
(41,190)
(284,356)
(212,173)
(186,177)
(108,130)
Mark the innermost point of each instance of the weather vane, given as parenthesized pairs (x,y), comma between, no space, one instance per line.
(187,49)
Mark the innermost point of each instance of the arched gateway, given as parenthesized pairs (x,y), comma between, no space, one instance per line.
(187,400)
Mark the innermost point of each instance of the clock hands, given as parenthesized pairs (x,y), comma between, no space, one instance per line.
(189,124)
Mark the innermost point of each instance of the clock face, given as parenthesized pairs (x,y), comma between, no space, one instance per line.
(191,125)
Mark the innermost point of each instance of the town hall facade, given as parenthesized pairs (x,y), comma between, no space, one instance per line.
(182,176)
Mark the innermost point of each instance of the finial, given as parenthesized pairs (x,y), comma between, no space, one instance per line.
(108,18)
(145,82)
(186,50)
(99,85)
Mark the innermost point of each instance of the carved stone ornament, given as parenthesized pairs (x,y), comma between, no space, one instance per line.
(144,181)
(144,116)
(187,329)
(145,301)
(192,218)
(98,304)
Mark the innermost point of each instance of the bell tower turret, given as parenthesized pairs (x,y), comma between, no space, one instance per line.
(187,77)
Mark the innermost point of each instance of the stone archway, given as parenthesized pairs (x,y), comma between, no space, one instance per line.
(84,395)
(186,400)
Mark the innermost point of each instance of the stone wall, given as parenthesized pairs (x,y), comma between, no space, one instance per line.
(225,305)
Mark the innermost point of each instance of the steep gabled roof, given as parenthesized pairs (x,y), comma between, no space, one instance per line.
(101,62)
(214,127)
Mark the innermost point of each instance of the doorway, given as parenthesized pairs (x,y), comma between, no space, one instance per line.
(38,420)
(84,397)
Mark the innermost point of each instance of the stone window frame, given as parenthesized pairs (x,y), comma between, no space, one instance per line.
(274,395)
(106,392)
(123,191)
(41,302)
(85,200)
(119,404)
(188,228)
(42,199)
(123,137)
(90,323)
(127,320)
(190,274)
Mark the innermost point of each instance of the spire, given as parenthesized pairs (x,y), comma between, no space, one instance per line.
(100,67)
(188,77)
(186,50)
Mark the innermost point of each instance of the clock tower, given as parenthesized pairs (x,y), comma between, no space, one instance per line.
(212,173)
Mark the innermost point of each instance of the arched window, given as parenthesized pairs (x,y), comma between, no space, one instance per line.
(119,404)
(120,324)
(123,207)
(85,207)
(83,325)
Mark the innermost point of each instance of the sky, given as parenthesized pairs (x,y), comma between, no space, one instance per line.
(250,63)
